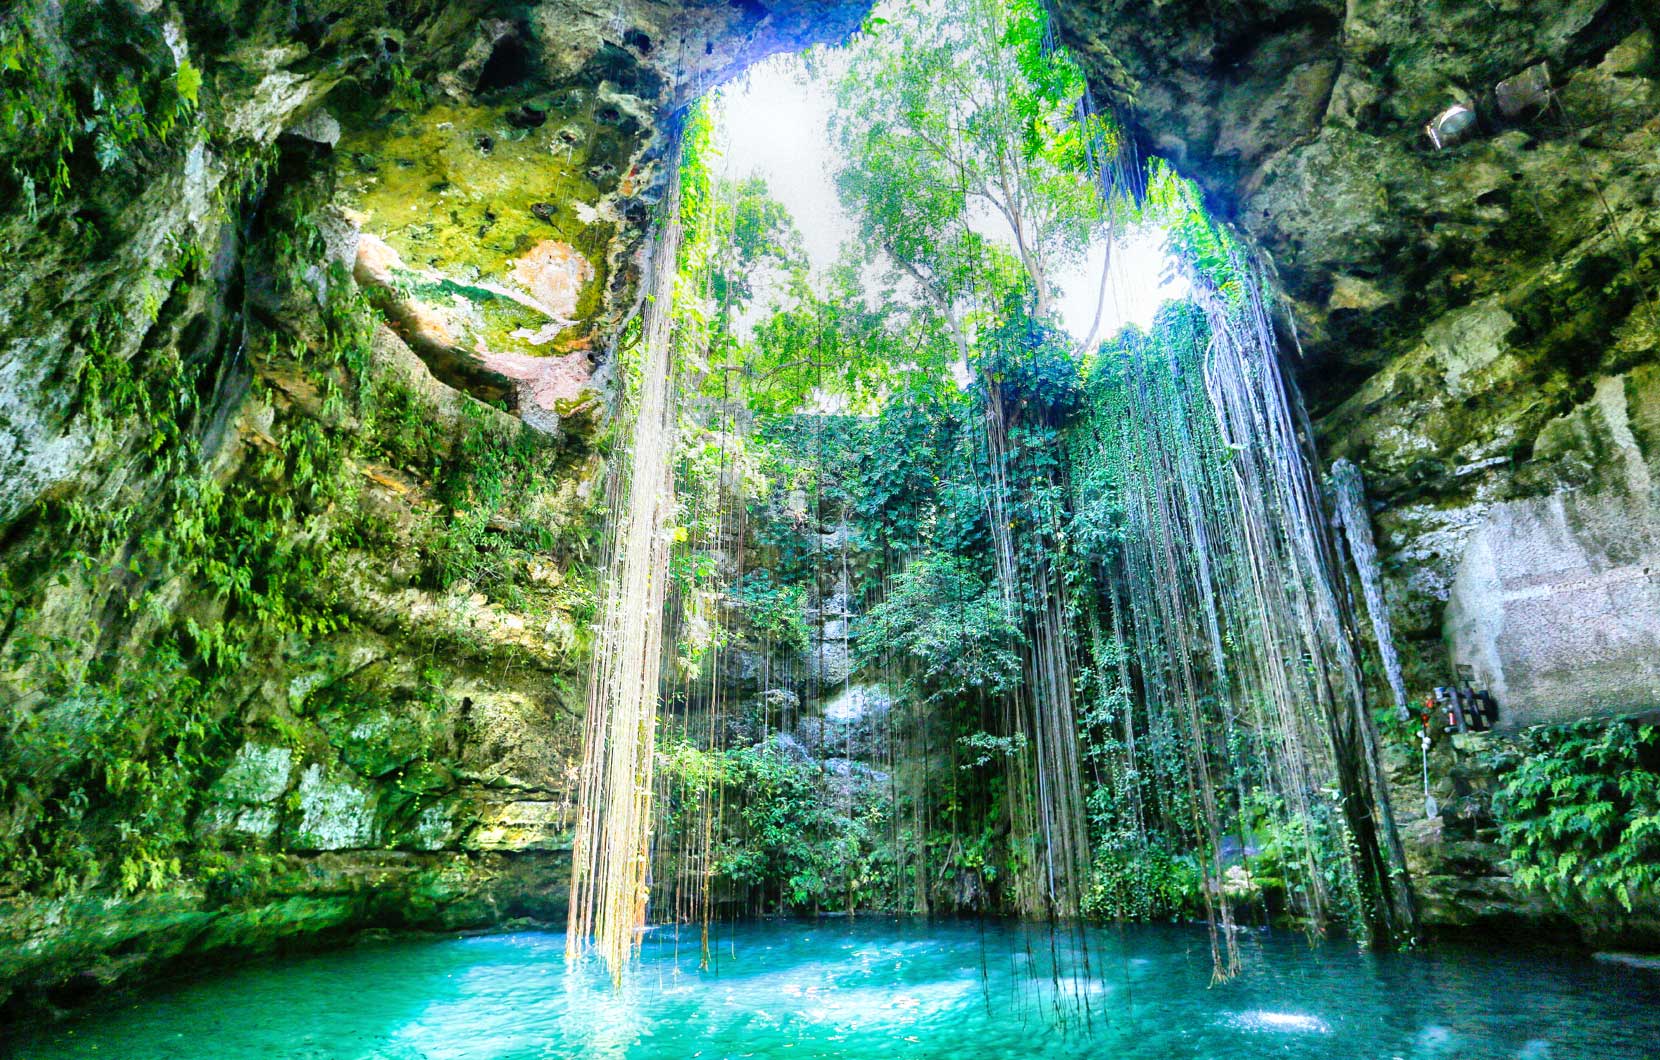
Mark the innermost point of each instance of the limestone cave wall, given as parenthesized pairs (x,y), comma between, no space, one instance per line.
(1478,322)
(306,336)
(305,348)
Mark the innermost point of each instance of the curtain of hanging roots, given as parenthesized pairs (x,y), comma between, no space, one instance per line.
(610,856)
(1257,409)
(1042,707)
(1222,593)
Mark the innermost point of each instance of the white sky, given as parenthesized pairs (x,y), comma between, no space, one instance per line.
(774,123)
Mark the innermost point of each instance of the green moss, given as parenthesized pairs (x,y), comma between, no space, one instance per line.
(200,578)
(62,123)
(462,191)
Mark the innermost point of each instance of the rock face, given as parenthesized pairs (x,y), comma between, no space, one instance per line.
(1478,313)
(304,350)
(1460,310)
(1556,604)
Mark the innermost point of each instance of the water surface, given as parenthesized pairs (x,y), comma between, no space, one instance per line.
(889,989)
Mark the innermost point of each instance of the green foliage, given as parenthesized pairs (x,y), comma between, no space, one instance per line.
(187,85)
(773,612)
(782,817)
(1205,249)
(67,122)
(1031,366)
(743,258)
(1140,878)
(205,574)
(1581,813)
(483,540)
(965,111)
(952,627)
(988,748)
(791,843)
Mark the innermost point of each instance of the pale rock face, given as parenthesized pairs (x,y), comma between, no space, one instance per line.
(554,274)
(1556,608)
(1556,604)
(549,389)
(258,774)
(336,812)
(434,829)
(319,127)
(523,826)
(246,795)
(1467,343)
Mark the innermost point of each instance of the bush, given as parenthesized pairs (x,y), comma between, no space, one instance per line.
(1139,879)
(1581,814)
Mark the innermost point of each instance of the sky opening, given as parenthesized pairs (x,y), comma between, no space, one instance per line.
(774,123)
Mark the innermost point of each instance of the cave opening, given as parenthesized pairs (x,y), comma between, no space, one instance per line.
(699,547)
(993,562)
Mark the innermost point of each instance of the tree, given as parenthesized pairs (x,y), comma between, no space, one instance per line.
(961,160)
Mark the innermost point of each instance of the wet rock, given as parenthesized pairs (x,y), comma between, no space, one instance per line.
(401,714)
(522,825)
(318,127)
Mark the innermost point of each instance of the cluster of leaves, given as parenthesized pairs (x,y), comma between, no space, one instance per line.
(950,627)
(1141,878)
(773,612)
(1580,814)
(791,844)
(966,111)
(938,420)
(65,123)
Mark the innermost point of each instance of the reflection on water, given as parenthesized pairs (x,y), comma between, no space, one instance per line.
(886,989)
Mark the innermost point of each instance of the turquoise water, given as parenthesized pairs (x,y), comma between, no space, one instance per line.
(895,990)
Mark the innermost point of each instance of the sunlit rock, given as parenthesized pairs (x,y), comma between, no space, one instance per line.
(335,811)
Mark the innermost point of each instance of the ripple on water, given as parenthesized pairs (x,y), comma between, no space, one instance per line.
(1285,1022)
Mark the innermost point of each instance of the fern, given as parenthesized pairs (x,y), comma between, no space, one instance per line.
(1581,815)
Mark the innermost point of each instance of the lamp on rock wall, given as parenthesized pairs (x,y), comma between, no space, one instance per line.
(1452,126)
(1526,93)
(1513,100)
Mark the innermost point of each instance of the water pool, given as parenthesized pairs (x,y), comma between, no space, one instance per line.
(891,989)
